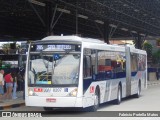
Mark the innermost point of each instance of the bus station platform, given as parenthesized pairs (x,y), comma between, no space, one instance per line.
(8,104)
(12,103)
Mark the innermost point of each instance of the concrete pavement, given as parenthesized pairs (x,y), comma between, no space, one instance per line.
(7,104)
(154,82)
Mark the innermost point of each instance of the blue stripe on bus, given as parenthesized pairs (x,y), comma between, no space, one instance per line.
(110,75)
(104,76)
(86,84)
(133,74)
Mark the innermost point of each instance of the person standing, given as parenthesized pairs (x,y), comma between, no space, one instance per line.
(9,86)
(1,84)
(157,74)
(22,74)
(14,76)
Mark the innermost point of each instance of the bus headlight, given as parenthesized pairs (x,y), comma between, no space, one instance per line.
(30,92)
(73,93)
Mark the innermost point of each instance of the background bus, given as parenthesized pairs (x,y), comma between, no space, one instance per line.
(70,71)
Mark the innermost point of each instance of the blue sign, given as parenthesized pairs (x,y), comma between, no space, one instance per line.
(56,56)
(65,89)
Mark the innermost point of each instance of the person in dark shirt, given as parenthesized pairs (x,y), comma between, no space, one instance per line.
(157,74)
(14,75)
(22,73)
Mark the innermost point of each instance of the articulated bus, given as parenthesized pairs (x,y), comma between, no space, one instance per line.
(76,72)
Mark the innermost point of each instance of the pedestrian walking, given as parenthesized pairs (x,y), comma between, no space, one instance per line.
(22,74)
(157,76)
(14,94)
(9,86)
(1,84)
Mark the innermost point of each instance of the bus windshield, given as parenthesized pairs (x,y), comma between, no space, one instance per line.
(54,67)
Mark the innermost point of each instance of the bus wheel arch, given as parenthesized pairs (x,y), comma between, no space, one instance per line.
(96,100)
(119,94)
(137,95)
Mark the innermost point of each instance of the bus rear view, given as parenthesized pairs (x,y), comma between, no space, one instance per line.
(52,74)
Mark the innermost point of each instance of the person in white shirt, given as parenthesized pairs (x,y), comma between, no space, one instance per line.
(1,84)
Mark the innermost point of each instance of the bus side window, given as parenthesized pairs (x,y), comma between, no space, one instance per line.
(86,66)
(134,62)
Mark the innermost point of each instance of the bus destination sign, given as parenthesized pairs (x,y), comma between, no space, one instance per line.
(54,47)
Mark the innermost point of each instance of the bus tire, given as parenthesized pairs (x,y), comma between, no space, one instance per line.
(119,96)
(96,101)
(137,95)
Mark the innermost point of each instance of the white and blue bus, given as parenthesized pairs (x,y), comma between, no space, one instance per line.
(71,71)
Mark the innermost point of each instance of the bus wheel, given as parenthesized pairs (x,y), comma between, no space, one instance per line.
(96,102)
(119,96)
(137,95)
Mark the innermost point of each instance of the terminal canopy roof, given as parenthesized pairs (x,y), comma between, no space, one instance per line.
(35,19)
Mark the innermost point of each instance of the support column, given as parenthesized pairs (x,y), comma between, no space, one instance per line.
(48,18)
(76,17)
(106,32)
(138,40)
(20,60)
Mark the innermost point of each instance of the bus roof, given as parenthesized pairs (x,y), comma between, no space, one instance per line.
(102,44)
(71,38)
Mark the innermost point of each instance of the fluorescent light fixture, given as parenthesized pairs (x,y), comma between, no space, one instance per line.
(99,21)
(150,36)
(63,10)
(124,29)
(145,14)
(133,31)
(112,25)
(37,3)
(125,5)
(142,34)
(136,10)
(82,16)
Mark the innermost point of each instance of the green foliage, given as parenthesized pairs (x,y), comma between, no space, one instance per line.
(5,65)
(156,57)
(6,47)
(158,42)
(134,42)
(148,47)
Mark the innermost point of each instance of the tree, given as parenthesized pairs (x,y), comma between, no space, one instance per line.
(7,48)
(148,47)
(158,42)
(156,57)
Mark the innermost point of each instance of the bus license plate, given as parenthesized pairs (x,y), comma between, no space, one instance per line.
(50,100)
